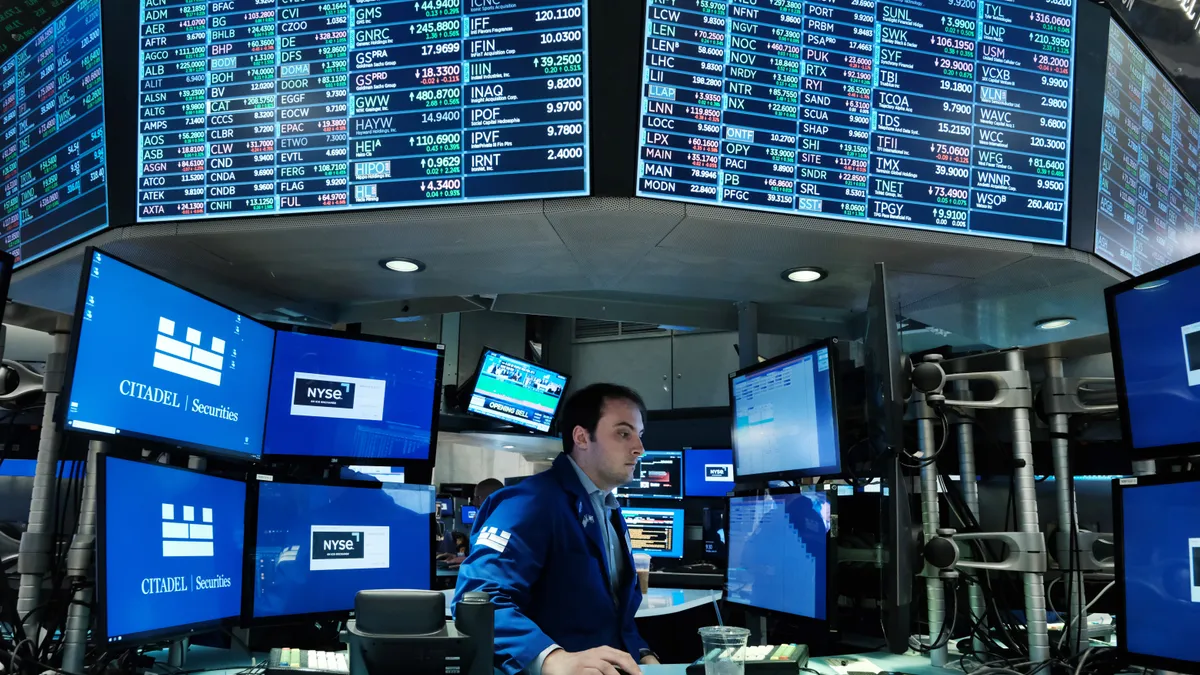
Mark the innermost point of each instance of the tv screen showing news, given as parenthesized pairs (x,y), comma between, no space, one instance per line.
(153,360)
(658,475)
(169,551)
(658,532)
(353,398)
(516,391)
(707,473)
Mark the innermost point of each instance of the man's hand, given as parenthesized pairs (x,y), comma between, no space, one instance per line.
(650,660)
(598,661)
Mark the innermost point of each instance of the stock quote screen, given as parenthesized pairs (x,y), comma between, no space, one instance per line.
(288,106)
(1149,207)
(52,136)
(939,114)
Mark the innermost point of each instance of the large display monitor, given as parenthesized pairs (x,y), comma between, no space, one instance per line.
(951,116)
(314,546)
(516,391)
(785,415)
(169,551)
(1149,202)
(1157,541)
(250,110)
(778,552)
(707,473)
(657,532)
(52,155)
(359,399)
(153,360)
(659,475)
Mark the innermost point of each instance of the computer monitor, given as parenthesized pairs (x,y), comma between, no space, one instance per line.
(152,360)
(361,399)
(315,545)
(1157,542)
(659,475)
(169,551)
(715,534)
(778,552)
(516,391)
(785,415)
(707,473)
(383,474)
(658,532)
(445,507)
(466,514)
(1154,328)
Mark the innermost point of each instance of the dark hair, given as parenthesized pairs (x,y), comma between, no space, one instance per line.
(584,407)
(485,488)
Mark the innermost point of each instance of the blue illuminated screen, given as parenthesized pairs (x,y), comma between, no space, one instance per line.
(171,549)
(517,391)
(467,514)
(341,397)
(52,158)
(784,417)
(951,116)
(777,552)
(248,110)
(658,532)
(317,546)
(707,473)
(157,361)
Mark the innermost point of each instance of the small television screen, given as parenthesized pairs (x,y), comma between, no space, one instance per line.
(659,475)
(467,514)
(516,391)
(715,534)
(658,532)
(707,473)
(445,507)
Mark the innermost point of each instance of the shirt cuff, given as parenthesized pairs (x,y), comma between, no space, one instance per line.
(535,668)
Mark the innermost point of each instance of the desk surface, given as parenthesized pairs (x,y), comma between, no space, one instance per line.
(658,602)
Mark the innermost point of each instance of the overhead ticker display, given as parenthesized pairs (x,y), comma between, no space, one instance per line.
(52,157)
(1149,202)
(939,114)
(289,106)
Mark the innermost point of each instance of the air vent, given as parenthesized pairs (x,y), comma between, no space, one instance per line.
(593,329)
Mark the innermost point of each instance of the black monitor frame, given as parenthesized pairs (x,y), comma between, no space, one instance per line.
(247,619)
(686,453)
(60,411)
(102,596)
(323,460)
(473,383)
(831,345)
(1119,485)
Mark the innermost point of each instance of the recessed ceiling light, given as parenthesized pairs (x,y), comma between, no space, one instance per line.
(406,265)
(1151,284)
(804,275)
(508,447)
(1056,322)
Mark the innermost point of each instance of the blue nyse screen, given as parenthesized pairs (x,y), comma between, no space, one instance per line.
(157,361)
(171,551)
(318,545)
(339,397)
(287,106)
(707,473)
(52,136)
(952,115)
(516,391)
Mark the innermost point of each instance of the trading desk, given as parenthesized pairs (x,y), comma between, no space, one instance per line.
(658,602)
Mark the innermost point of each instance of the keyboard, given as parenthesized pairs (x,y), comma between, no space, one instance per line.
(763,659)
(293,660)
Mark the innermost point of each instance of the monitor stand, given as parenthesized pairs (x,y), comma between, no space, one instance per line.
(177,653)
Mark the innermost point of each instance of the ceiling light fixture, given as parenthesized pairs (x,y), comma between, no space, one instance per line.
(404,265)
(1151,284)
(508,447)
(804,275)
(1054,323)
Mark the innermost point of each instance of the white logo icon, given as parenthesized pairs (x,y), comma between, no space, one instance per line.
(187,538)
(348,398)
(497,540)
(375,552)
(186,357)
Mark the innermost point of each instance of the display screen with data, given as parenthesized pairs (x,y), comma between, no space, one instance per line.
(657,532)
(52,157)
(1149,206)
(951,115)
(288,106)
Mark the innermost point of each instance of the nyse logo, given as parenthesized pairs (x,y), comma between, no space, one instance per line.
(323,393)
(338,545)
(718,473)
(349,547)
(338,396)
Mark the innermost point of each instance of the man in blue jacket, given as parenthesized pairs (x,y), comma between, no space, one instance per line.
(554,555)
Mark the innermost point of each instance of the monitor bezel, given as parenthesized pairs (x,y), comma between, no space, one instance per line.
(831,559)
(687,452)
(247,618)
(345,460)
(682,477)
(680,523)
(102,600)
(1114,333)
(60,409)
(474,381)
(831,345)
(1119,485)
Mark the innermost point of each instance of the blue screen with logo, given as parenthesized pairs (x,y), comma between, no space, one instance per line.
(170,550)
(157,361)
(318,545)
(1161,550)
(658,532)
(707,473)
(341,397)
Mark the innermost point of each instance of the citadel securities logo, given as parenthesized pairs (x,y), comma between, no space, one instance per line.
(186,538)
(350,547)
(354,398)
(187,357)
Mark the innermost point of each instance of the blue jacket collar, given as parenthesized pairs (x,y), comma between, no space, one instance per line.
(565,473)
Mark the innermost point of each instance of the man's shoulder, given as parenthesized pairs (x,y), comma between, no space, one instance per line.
(537,494)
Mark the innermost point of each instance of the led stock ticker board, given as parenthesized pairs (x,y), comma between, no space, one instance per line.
(940,114)
(288,106)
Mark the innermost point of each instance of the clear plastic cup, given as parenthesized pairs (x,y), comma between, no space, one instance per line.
(724,649)
(641,564)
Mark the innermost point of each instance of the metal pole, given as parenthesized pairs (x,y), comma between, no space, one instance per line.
(1068,520)
(38,541)
(747,313)
(968,479)
(1027,519)
(80,566)
(935,592)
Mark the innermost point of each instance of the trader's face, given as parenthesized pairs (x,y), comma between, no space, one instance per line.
(614,450)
